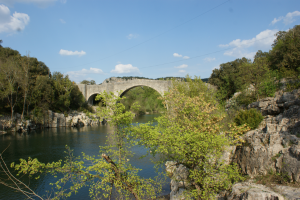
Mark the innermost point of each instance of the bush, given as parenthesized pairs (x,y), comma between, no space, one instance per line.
(245,98)
(250,117)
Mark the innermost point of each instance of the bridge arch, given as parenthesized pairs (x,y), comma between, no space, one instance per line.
(126,90)
(91,98)
(90,91)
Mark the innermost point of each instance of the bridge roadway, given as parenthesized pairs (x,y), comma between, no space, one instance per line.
(90,91)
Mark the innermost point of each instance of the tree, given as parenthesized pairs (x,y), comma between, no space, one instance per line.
(62,87)
(285,53)
(9,85)
(1,43)
(91,82)
(41,97)
(190,134)
(253,74)
(226,78)
(24,79)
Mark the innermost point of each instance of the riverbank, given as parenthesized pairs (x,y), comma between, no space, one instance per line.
(50,120)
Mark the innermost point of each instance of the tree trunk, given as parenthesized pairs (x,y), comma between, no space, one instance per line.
(24,105)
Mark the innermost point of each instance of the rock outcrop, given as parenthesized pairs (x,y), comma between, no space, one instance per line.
(275,144)
(51,120)
(179,183)
(252,191)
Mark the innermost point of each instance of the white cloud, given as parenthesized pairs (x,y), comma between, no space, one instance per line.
(71,53)
(62,21)
(42,3)
(132,36)
(177,55)
(182,66)
(63,1)
(240,48)
(288,19)
(181,71)
(209,59)
(81,74)
(276,20)
(16,22)
(186,57)
(124,69)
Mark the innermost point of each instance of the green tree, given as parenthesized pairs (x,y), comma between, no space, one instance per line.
(24,79)
(42,96)
(190,134)
(62,87)
(226,78)
(91,82)
(9,83)
(284,55)
(253,74)
(148,99)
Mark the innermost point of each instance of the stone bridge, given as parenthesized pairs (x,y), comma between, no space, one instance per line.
(90,91)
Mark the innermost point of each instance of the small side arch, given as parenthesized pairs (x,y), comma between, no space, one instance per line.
(91,100)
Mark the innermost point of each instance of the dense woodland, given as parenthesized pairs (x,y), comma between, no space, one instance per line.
(27,86)
(263,73)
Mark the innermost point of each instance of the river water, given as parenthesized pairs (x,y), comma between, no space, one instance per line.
(48,145)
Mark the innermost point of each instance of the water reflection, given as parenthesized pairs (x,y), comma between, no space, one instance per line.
(49,144)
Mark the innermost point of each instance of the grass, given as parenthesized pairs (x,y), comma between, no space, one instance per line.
(276,178)
(274,158)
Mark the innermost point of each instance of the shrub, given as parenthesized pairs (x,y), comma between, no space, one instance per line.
(245,98)
(250,117)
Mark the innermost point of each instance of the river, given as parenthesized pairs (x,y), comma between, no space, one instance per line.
(49,144)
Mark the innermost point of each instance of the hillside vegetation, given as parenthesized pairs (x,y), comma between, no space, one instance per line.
(263,73)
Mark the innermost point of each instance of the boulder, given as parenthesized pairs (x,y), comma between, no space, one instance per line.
(179,180)
(252,191)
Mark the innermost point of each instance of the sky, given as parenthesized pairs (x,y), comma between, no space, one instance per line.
(98,39)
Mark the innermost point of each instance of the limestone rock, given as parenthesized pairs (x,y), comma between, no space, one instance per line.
(179,180)
(290,193)
(274,145)
(252,191)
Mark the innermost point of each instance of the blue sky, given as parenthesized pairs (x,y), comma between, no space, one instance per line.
(98,39)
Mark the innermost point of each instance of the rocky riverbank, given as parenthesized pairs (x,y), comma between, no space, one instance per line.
(274,147)
(51,120)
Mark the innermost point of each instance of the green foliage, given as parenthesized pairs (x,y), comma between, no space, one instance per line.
(148,99)
(26,85)
(245,98)
(250,117)
(190,134)
(284,56)
(274,177)
(226,78)
(274,158)
(91,82)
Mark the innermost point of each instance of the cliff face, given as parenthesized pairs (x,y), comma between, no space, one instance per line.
(275,144)
(51,120)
